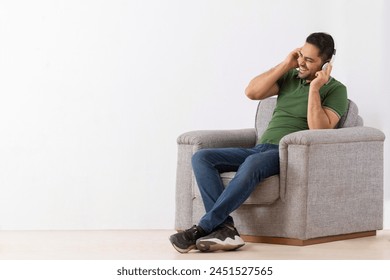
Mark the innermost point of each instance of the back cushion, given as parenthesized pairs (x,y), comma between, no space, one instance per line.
(351,118)
(264,113)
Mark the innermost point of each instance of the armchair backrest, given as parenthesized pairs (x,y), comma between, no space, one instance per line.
(266,108)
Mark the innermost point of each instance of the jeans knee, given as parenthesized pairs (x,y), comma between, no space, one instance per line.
(203,158)
(198,157)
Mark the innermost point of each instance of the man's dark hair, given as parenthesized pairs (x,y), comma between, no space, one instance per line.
(324,42)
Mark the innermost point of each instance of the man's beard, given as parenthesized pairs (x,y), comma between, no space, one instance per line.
(305,74)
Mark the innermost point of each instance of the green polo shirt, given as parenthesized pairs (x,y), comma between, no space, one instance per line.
(290,114)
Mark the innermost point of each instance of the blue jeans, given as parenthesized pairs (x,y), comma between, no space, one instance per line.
(251,165)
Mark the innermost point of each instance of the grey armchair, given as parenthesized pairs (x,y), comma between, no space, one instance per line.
(330,185)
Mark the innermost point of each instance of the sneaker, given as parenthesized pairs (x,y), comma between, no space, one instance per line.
(185,241)
(226,238)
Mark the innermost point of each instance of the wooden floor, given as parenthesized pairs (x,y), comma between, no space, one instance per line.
(154,244)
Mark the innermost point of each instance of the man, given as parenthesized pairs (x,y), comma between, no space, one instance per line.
(308,98)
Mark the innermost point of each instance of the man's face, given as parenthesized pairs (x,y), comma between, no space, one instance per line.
(309,62)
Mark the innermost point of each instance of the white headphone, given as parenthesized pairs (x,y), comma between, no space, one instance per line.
(331,60)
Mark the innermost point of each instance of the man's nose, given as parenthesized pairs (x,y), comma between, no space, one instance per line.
(301,61)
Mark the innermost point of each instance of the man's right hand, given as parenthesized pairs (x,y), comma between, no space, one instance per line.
(291,60)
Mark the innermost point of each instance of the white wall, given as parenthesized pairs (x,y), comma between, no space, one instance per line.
(95,93)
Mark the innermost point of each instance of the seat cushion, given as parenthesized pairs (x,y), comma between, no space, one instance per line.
(267,192)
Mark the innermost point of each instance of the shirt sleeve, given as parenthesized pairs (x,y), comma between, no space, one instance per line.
(336,99)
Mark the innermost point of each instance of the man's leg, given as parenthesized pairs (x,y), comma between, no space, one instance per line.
(207,165)
(221,202)
(252,166)
(255,168)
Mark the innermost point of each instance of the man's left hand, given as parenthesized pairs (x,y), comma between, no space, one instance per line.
(322,77)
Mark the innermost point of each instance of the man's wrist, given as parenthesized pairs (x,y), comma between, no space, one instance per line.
(314,88)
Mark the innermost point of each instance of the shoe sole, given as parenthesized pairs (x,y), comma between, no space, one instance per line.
(182,250)
(214,244)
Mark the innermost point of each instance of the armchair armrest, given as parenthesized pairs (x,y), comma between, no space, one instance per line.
(218,138)
(330,149)
(331,136)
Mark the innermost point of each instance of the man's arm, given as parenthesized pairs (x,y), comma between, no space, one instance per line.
(317,116)
(265,85)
